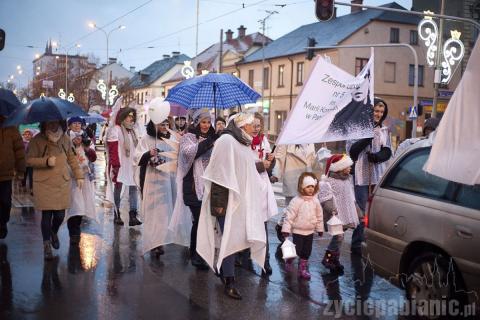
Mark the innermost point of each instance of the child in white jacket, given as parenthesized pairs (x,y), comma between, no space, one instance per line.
(303,217)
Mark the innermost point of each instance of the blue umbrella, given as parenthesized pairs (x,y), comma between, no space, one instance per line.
(45,109)
(8,102)
(94,117)
(213,90)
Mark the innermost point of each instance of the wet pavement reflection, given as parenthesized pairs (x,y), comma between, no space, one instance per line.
(105,277)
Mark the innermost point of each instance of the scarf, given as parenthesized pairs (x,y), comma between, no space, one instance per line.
(126,143)
(257,142)
(239,134)
(54,136)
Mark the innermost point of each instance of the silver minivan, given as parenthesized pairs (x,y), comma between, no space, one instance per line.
(423,232)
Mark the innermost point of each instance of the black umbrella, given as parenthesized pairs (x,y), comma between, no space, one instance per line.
(8,102)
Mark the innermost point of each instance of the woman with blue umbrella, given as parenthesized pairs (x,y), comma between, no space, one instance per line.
(52,158)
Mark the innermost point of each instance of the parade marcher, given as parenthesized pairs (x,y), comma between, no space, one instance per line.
(370,156)
(263,155)
(220,124)
(232,201)
(51,156)
(337,198)
(82,199)
(12,162)
(303,217)
(194,155)
(429,127)
(157,188)
(122,141)
(27,135)
(181,124)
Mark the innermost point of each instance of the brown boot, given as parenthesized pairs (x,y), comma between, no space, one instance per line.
(230,289)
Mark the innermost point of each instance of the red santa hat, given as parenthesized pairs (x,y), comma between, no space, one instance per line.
(338,162)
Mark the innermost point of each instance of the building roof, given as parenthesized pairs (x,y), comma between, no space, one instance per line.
(208,58)
(154,71)
(329,33)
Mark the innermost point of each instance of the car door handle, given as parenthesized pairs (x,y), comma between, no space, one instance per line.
(464,232)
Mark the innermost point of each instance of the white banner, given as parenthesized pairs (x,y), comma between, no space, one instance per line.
(332,106)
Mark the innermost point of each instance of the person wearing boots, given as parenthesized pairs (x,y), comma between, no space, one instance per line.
(180,125)
(122,141)
(303,217)
(51,156)
(370,156)
(195,150)
(337,198)
(232,201)
(263,153)
(12,161)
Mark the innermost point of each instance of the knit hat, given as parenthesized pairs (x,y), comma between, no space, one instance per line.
(74,119)
(200,114)
(309,181)
(338,162)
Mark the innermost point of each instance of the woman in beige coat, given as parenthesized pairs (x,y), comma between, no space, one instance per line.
(52,158)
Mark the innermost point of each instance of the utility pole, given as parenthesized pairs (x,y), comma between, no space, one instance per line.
(220,56)
(196,34)
(438,70)
(263,22)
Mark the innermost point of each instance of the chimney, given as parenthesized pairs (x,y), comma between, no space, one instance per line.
(166,56)
(356,9)
(241,31)
(132,69)
(228,35)
(175,53)
(112,60)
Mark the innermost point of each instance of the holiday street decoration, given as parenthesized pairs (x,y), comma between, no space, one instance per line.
(187,70)
(453,51)
(61,94)
(71,98)
(428,32)
(112,93)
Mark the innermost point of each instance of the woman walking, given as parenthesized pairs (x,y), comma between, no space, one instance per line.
(51,156)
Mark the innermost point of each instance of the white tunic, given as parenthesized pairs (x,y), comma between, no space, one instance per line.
(232,166)
(159,195)
(126,171)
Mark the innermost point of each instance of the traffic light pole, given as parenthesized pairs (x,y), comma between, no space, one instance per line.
(388,45)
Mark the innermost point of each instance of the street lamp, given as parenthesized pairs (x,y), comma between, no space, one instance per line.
(111,92)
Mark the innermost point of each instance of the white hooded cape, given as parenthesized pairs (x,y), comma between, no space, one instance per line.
(159,194)
(456,147)
(232,166)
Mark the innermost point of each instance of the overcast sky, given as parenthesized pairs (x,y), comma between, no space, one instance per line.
(165,25)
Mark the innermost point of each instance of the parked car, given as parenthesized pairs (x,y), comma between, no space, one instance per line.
(423,232)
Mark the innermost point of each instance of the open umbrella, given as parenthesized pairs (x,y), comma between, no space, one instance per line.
(213,90)
(94,117)
(45,109)
(8,102)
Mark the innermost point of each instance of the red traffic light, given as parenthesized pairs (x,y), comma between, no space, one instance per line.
(324,9)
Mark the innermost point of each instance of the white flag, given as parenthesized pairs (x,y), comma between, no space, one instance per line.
(456,148)
(332,106)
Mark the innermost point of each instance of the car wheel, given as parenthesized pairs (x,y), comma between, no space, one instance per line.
(433,279)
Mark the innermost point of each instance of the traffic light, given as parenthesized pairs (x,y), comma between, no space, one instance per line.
(324,9)
(2,39)
(311,52)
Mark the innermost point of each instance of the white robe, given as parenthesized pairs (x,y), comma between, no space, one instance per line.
(159,193)
(232,166)
(82,201)
(126,171)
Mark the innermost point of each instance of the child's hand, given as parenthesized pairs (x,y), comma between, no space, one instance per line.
(285,234)
(320,234)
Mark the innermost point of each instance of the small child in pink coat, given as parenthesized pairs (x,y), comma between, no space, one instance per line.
(304,217)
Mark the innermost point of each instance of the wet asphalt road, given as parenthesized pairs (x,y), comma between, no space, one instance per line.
(106,277)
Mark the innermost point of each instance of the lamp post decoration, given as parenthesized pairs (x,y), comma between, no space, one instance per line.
(112,93)
(71,98)
(102,87)
(453,51)
(428,32)
(187,70)
(61,94)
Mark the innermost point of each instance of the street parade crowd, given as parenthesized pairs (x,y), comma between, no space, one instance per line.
(200,182)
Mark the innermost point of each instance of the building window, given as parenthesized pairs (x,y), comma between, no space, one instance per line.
(300,73)
(360,63)
(411,69)
(414,37)
(394,35)
(281,71)
(266,78)
(389,72)
(250,78)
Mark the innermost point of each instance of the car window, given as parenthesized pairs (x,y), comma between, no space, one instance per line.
(469,196)
(408,176)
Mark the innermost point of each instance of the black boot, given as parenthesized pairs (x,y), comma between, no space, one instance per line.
(230,289)
(133,221)
(267,267)
(55,242)
(116,218)
(199,263)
